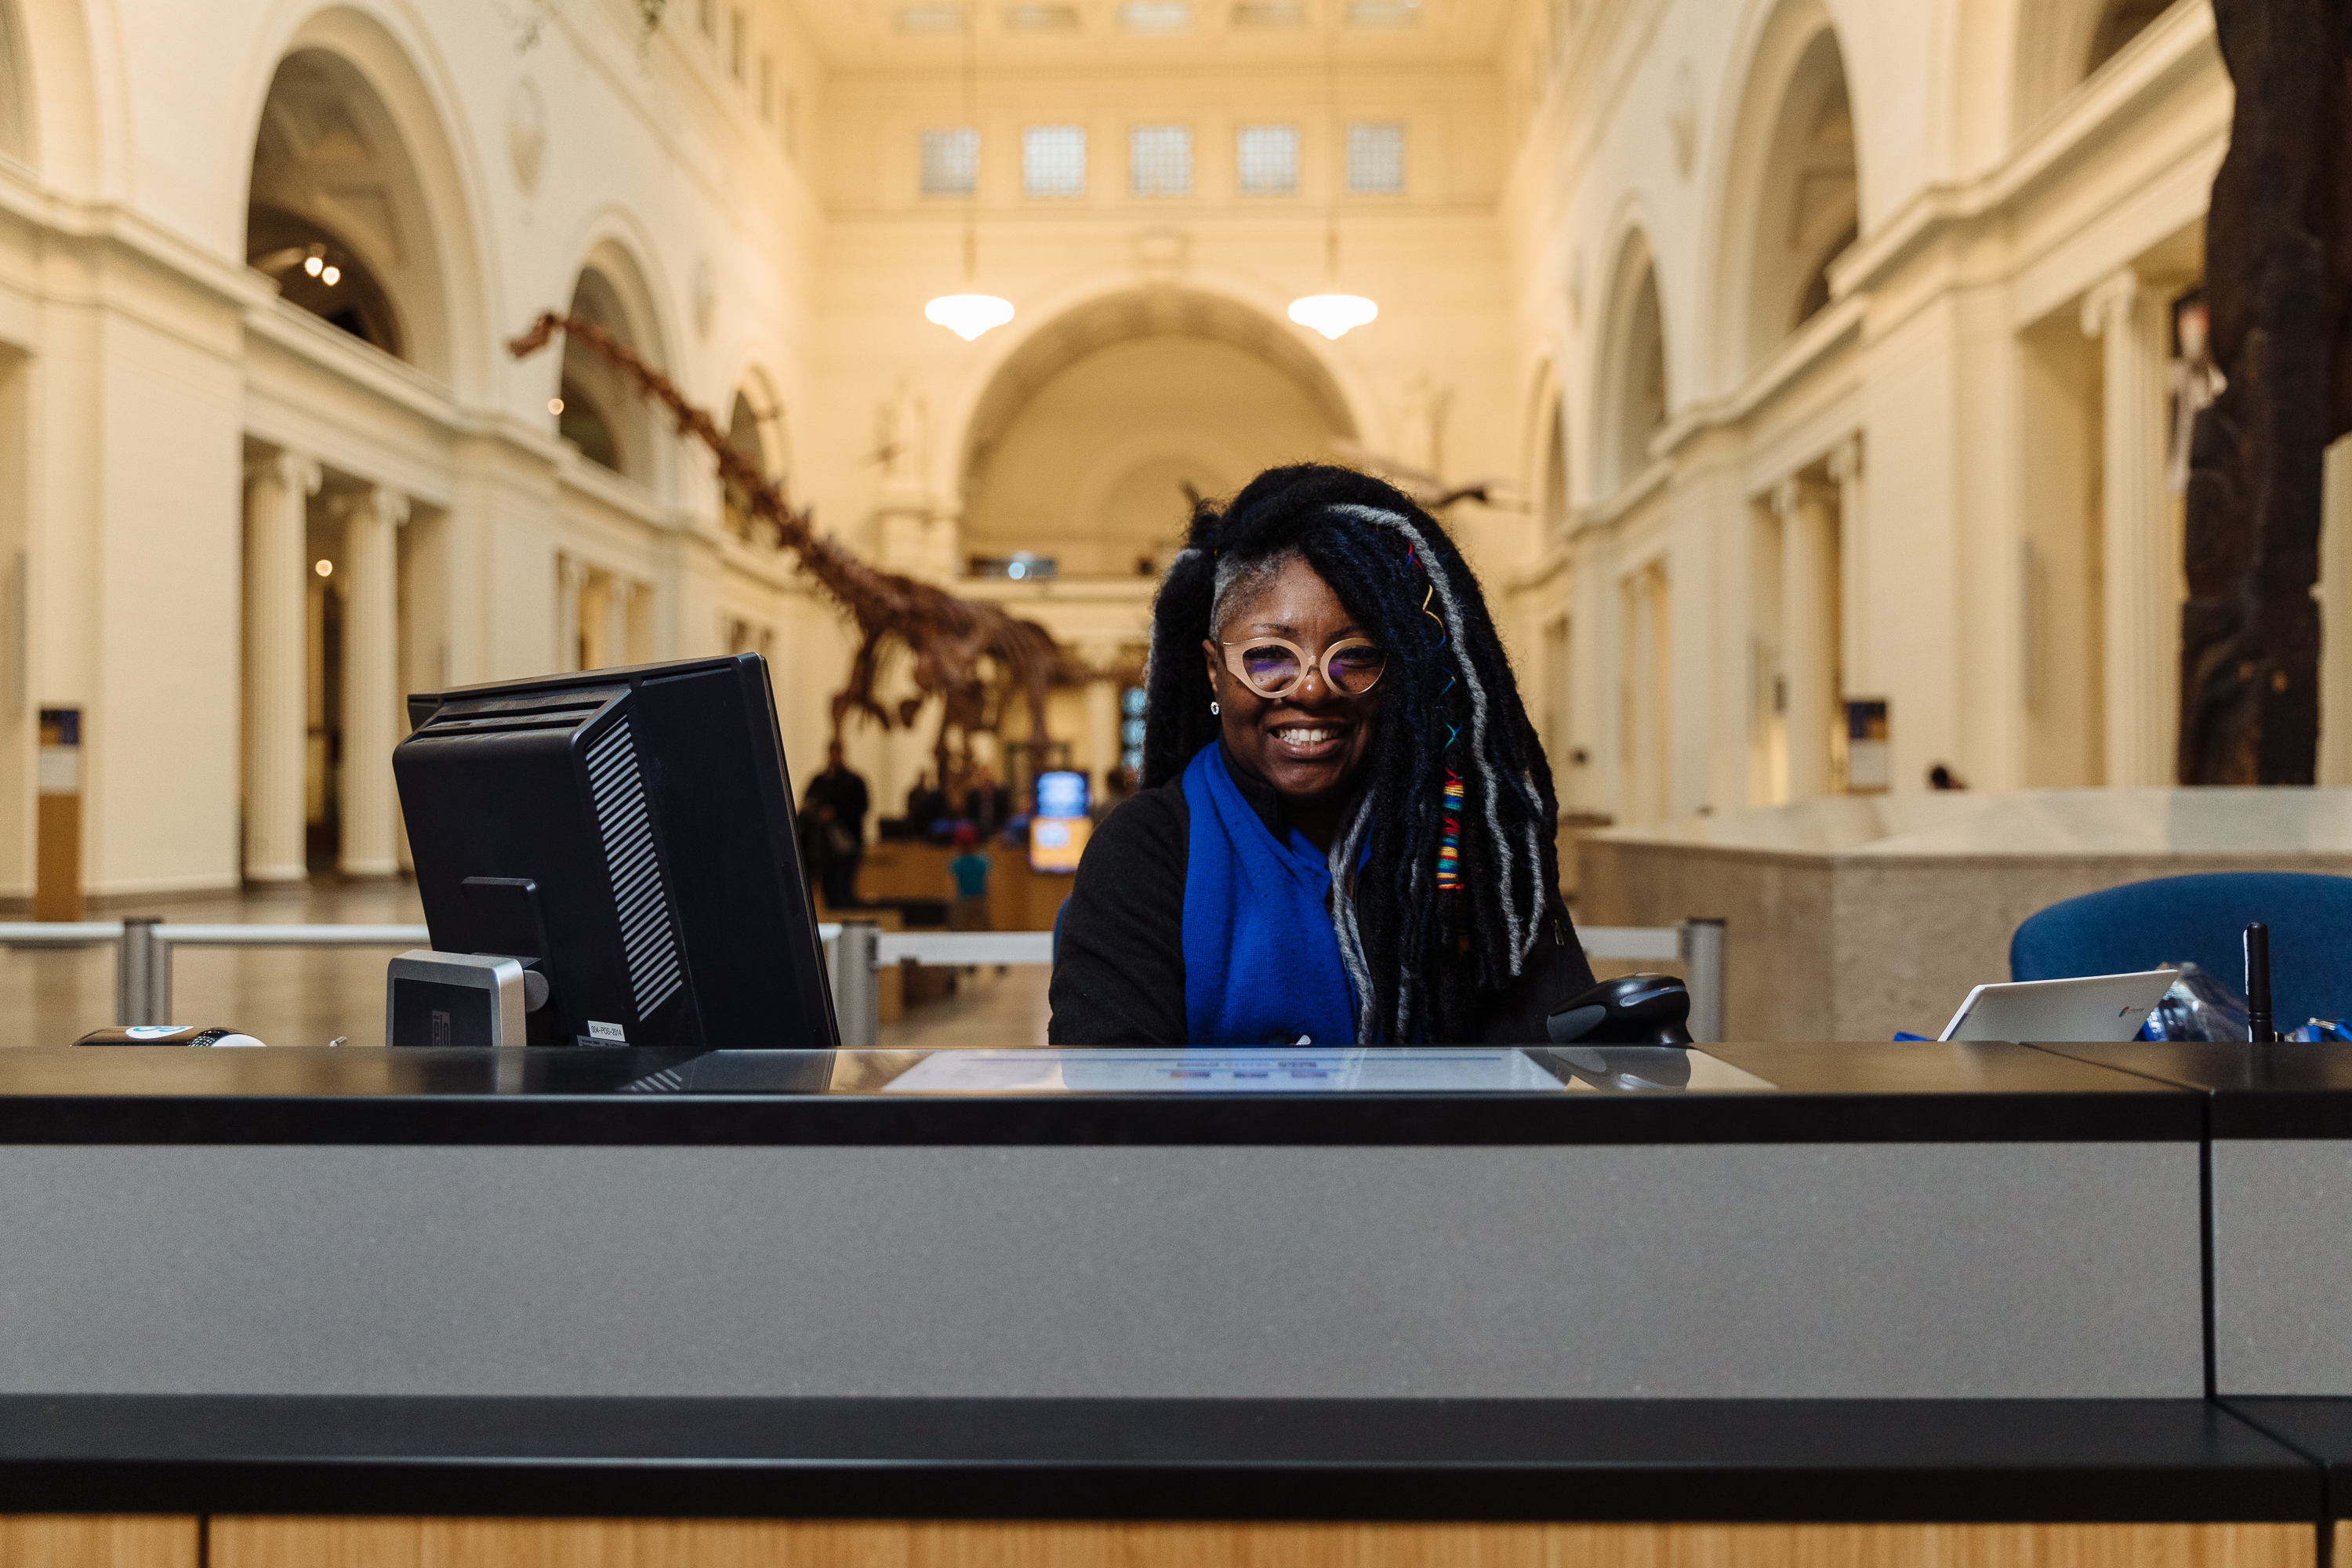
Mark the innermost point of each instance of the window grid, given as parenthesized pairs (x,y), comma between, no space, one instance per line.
(1053,160)
(1375,158)
(951,161)
(1265,159)
(1160,160)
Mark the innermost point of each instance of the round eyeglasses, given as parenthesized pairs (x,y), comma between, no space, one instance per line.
(1272,666)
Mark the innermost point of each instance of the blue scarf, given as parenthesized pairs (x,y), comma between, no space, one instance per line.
(1261,962)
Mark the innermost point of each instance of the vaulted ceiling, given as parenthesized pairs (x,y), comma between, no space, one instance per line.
(1114,36)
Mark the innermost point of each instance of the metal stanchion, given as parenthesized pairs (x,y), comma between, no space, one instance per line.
(856,999)
(1702,953)
(143,986)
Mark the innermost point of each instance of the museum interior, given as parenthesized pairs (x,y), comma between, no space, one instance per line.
(688,533)
(1809,384)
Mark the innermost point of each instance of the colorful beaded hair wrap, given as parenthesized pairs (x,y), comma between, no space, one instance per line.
(1449,842)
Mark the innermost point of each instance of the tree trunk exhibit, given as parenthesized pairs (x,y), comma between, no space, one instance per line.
(2278,269)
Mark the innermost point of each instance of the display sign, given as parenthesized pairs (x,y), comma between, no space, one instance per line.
(1057,842)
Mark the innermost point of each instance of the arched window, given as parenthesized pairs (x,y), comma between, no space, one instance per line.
(1633,398)
(336,212)
(743,435)
(1555,466)
(1807,200)
(602,412)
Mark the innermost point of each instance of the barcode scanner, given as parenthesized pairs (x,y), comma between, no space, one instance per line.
(1631,1010)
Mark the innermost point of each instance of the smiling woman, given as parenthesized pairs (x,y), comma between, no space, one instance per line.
(1346,830)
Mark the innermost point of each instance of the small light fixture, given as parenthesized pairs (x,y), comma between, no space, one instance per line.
(1331,312)
(555,406)
(324,568)
(316,262)
(969,313)
(1333,315)
(331,275)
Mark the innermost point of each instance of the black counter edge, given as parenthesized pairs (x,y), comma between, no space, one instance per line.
(2334,1470)
(1647,1493)
(1449,1119)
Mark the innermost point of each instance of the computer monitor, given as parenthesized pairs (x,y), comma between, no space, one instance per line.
(629,833)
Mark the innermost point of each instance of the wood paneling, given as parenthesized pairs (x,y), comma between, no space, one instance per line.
(653,1544)
(97,1540)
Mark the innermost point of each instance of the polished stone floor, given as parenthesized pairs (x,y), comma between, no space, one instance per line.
(298,997)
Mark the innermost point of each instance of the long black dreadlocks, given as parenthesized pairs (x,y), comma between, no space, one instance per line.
(1428,940)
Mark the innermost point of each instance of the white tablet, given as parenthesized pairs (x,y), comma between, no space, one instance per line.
(2093,1008)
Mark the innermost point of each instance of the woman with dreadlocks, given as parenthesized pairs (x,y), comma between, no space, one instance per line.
(1345,832)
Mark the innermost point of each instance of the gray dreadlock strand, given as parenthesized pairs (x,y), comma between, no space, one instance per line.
(1522,932)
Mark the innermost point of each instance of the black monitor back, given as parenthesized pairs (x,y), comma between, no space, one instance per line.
(630,830)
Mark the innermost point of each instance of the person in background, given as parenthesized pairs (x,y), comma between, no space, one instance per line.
(926,805)
(970,869)
(987,803)
(836,803)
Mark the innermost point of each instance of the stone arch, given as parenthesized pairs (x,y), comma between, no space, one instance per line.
(1163,389)
(1632,397)
(1545,464)
(600,410)
(349,160)
(962,405)
(1791,194)
(756,428)
(2060,44)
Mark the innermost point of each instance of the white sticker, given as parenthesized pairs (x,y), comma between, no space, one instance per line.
(597,1031)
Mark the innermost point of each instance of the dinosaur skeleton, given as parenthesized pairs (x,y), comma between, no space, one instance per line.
(967,655)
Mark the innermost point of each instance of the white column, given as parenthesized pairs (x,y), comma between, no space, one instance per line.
(1102,712)
(1857,669)
(370,679)
(616,620)
(570,577)
(2140,611)
(1808,632)
(2336,618)
(276,569)
(1643,727)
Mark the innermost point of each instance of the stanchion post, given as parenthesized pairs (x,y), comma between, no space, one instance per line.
(856,998)
(143,987)
(1701,945)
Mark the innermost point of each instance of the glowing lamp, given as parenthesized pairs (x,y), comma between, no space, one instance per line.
(1333,314)
(969,315)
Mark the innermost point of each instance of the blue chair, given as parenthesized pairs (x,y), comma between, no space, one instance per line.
(2204,919)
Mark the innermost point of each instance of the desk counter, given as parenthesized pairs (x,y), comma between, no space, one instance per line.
(1854,1282)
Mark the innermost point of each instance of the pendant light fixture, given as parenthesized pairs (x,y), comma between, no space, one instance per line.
(1333,312)
(971,312)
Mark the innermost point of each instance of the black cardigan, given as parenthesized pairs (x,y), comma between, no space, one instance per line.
(1119,968)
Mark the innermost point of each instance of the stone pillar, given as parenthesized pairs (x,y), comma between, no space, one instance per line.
(2141,607)
(1857,669)
(570,578)
(1809,631)
(616,620)
(1643,785)
(276,573)
(1102,713)
(2335,617)
(371,680)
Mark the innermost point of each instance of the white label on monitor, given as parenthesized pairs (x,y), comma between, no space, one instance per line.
(613,1032)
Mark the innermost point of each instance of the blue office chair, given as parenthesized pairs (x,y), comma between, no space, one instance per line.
(2204,919)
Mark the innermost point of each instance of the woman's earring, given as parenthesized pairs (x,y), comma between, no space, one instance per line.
(1212,710)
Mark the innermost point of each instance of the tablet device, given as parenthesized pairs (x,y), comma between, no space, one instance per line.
(2095,1007)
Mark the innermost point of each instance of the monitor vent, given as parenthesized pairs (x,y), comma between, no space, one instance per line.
(621,816)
